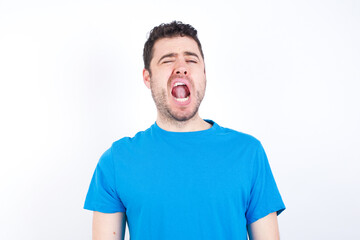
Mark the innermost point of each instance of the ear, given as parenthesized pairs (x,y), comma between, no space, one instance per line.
(146,78)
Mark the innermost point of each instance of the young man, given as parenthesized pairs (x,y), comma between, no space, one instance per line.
(184,177)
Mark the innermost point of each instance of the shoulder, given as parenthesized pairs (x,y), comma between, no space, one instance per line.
(126,144)
(239,137)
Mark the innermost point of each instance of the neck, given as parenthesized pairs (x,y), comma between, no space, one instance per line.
(194,124)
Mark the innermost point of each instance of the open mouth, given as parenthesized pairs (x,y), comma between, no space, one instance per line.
(180,92)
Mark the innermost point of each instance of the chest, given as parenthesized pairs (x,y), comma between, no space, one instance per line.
(184,181)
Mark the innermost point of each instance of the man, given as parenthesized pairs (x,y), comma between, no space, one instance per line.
(184,177)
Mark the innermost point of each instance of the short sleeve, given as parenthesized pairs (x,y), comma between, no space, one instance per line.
(265,197)
(102,195)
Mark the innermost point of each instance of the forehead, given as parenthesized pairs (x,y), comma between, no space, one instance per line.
(177,45)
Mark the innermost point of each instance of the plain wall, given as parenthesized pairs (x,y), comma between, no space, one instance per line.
(286,72)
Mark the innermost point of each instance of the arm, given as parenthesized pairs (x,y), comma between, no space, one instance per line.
(108,226)
(265,228)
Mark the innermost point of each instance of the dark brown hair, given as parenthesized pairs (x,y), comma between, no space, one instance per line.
(168,30)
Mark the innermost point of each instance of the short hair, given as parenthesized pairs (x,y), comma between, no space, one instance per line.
(168,30)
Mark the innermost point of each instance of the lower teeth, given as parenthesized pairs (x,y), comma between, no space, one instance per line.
(182,99)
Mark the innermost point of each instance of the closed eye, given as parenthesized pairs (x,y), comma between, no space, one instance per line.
(191,61)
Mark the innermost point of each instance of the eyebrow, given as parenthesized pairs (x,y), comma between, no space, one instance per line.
(166,56)
(186,53)
(191,54)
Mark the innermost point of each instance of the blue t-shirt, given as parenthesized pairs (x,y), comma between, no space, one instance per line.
(185,185)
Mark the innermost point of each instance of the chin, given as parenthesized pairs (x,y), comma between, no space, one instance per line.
(181,117)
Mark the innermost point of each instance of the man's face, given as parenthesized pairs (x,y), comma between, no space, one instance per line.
(177,79)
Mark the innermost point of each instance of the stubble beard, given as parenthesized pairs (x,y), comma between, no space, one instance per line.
(160,99)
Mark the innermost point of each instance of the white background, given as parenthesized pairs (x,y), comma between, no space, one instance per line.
(286,72)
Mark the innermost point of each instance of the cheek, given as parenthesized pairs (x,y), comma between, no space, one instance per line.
(162,75)
(200,81)
(160,81)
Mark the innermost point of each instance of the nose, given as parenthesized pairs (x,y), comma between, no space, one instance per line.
(180,69)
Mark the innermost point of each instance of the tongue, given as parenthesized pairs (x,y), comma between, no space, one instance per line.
(180,91)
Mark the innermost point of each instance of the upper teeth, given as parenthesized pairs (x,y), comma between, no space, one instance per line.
(179,83)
